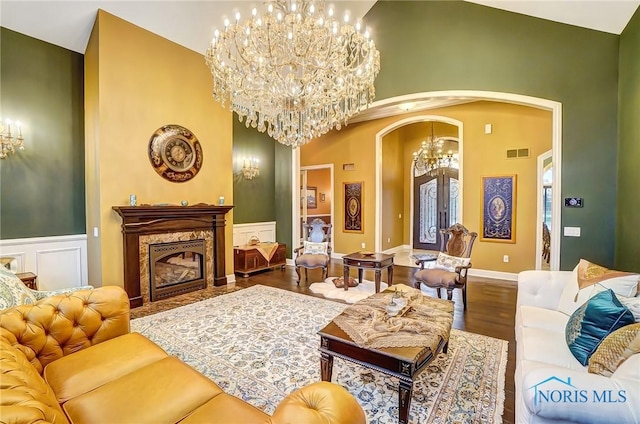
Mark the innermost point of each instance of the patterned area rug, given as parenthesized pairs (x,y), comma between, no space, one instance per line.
(261,343)
(361,291)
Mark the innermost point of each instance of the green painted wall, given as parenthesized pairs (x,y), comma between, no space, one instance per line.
(254,199)
(448,45)
(283,205)
(268,196)
(42,188)
(627,239)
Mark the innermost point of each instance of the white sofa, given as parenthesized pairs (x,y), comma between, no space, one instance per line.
(551,385)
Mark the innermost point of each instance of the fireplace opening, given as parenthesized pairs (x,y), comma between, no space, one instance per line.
(176,268)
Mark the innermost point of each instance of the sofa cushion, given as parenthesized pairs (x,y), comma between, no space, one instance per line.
(24,395)
(88,369)
(549,347)
(584,279)
(437,278)
(532,316)
(226,409)
(615,349)
(13,292)
(633,304)
(593,321)
(165,391)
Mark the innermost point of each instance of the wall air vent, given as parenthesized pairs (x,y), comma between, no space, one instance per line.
(348,167)
(517,153)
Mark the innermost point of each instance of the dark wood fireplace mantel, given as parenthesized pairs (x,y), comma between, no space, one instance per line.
(148,219)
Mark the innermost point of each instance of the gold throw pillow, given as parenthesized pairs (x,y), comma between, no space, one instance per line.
(615,349)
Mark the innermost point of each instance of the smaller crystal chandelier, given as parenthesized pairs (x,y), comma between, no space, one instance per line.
(251,168)
(295,72)
(431,157)
(8,143)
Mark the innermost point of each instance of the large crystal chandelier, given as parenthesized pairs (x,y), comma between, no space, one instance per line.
(295,72)
(431,156)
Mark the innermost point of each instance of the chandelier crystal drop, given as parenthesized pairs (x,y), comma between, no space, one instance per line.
(295,72)
(431,156)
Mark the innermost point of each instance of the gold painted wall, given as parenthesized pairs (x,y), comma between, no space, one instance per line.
(484,155)
(392,190)
(321,179)
(353,144)
(137,82)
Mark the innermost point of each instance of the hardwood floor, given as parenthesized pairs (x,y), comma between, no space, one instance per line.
(490,310)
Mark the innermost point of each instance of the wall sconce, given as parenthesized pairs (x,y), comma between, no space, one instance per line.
(251,168)
(9,143)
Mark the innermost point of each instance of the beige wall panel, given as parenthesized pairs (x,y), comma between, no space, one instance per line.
(145,82)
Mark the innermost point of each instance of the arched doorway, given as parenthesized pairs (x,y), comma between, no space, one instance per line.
(470,95)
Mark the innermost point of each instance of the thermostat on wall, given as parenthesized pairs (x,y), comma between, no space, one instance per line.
(573,202)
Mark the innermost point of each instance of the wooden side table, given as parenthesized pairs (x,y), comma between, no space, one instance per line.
(29,279)
(374,261)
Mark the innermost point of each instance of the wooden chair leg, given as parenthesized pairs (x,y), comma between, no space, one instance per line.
(449,294)
(298,272)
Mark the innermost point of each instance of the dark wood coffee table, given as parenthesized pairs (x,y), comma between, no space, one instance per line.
(374,261)
(405,363)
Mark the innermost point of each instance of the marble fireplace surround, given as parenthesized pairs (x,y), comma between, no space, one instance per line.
(142,225)
(145,241)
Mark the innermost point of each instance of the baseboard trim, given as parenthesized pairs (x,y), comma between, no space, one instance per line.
(497,275)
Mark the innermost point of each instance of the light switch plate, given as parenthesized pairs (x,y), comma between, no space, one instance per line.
(572,231)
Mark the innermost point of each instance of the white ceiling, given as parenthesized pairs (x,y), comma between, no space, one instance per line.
(191,23)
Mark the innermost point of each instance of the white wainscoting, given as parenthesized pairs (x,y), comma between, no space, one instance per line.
(59,262)
(265,231)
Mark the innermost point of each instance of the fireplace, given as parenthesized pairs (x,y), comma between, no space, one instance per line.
(146,225)
(176,268)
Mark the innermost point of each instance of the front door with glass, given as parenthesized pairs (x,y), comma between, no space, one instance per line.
(436,199)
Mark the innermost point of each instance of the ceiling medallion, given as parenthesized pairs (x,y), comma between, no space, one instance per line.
(175,153)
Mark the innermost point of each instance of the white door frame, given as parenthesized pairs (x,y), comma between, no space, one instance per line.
(540,186)
(392,127)
(296,216)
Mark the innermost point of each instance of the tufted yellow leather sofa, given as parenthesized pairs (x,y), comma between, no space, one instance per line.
(72,359)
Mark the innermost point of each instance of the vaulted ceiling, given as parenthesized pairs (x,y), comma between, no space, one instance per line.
(191,23)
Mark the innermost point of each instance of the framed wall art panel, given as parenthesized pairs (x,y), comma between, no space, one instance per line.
(353,201)
(309,196)
(498,199)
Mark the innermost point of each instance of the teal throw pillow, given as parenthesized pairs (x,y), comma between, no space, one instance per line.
(593,321)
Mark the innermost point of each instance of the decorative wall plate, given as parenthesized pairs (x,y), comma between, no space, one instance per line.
(175,153)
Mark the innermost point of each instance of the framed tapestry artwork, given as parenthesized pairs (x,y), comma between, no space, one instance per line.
(498,199)
(311,197)
(353,199)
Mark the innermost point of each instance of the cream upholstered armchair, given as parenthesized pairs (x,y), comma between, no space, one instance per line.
(315,251)
(449,270)
(13,292)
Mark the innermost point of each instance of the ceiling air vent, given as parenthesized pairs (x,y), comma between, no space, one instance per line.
(517,153)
